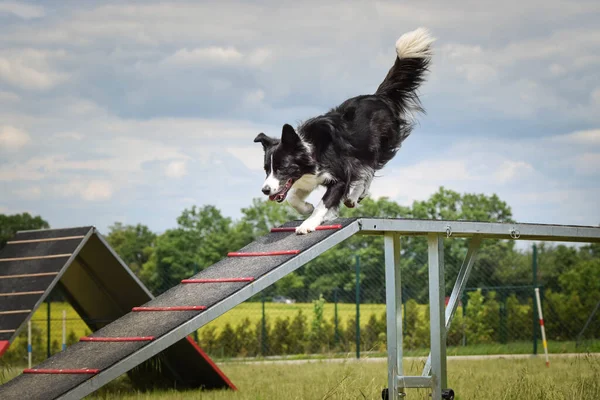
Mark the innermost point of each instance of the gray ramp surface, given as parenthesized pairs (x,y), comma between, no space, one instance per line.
(29,264)
(113,359)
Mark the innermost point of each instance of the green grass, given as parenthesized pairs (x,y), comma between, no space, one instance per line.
(567,378)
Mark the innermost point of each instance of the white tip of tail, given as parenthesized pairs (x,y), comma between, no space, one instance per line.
(415,44)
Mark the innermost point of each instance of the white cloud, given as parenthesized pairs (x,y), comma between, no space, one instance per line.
(176,169)
(97,191)
(12,139)
(218,56)
(511,170)
(8,97)
(588,164)
(93,190)
(418,181)
(478,73)
(200,56)
(557,70)
(254,98)
(251,156)
(69,135)
(29,193)
(23,10)
(595,96)
(260,56)
(586,137)
(30,69)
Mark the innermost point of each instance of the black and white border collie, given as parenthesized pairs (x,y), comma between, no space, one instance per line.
(343,148)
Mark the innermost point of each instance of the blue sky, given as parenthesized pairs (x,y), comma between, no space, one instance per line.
(133,111)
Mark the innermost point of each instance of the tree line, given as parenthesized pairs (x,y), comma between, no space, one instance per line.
(569,275)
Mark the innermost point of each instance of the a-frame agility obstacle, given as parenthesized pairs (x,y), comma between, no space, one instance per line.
(86,366)
(101,288)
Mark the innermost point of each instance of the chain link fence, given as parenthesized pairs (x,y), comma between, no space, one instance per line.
(335,305)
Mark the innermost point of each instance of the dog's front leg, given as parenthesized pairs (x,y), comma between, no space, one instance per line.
(327,208)
(297,199)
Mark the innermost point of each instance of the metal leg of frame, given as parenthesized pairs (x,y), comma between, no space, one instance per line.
(459,287)
(436,311)
(393,299)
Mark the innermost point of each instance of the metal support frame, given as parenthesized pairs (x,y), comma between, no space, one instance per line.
(457,291)
(434,374)
(437,327)
(393,299)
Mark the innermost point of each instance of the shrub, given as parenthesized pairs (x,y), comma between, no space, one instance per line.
(298,334)
(477,328)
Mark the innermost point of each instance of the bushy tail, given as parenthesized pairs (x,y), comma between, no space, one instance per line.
(407,74)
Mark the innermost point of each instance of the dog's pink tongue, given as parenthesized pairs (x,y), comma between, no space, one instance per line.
(272,197)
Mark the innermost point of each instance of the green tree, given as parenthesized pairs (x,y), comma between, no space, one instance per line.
(133,243)
(203,236)
(10,224)
(450,205)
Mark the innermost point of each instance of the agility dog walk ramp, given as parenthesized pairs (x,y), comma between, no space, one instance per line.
(162,322)
(101,288)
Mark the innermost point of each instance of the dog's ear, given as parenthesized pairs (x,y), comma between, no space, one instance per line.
(265,140)
(289,137)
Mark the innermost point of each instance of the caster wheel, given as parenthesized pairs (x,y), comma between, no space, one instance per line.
(385,394)
(448,394)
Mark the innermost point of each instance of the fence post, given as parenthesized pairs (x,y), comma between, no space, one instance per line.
(263,338)
(464,314)
(534,309)
(48,329)
(29,348)
(196,331)
(335,316)
(357,259)
(503,318)
(64,330)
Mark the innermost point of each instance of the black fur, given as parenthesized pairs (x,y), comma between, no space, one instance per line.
(358,137)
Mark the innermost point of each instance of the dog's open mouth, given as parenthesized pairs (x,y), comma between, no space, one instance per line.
(280,196)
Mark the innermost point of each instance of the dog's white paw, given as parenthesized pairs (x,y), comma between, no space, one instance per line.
(307,226)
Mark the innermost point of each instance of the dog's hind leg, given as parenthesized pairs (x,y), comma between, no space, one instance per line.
(359,190)
(366,187)
(296,199)
(356,190)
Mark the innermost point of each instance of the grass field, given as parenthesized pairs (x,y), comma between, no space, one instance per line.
(576,378)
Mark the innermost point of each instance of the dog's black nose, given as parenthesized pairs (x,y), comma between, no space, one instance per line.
(266,190)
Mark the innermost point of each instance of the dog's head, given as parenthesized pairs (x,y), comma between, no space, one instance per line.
(286,160)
